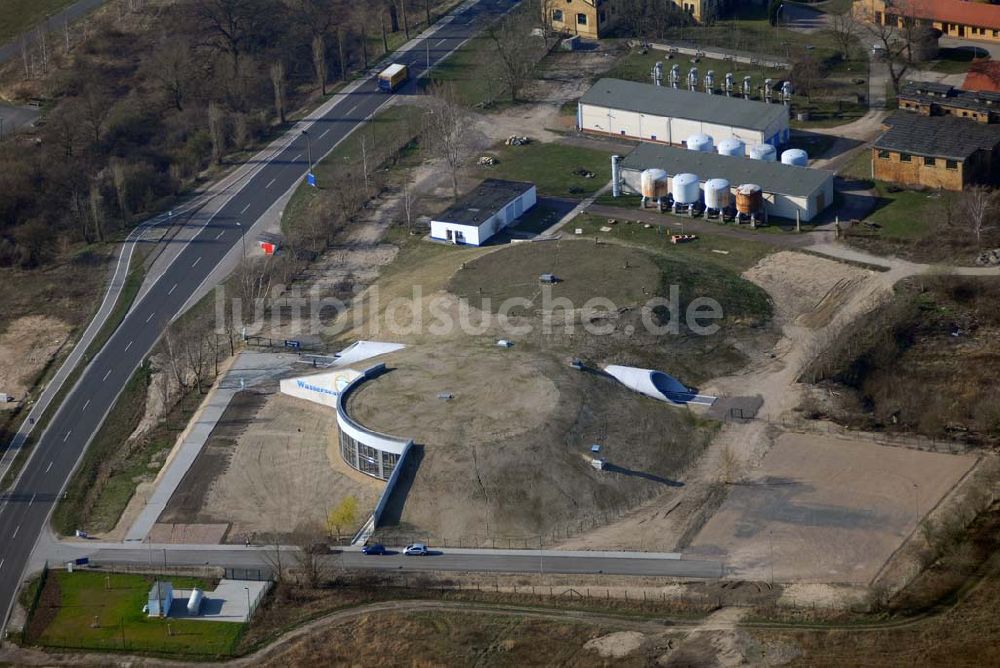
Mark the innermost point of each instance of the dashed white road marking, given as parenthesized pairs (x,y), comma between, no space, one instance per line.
(66,437)
(106,375)
(86,404)
(129,344)
(441,41)
(195,264)
(16,530)
(296,157)
(351,110)
(222,232)
(243,211)
(152,314)
(1,563)
(32,499)
(324,133)
(270,183)
(171,291)
(48,468)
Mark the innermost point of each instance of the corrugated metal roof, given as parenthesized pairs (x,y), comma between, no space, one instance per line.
(937,136)
(679,103)
(484,201)
(772,177)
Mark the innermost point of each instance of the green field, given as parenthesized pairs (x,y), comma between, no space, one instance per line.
(98,611)
(736,255)
(552,167)
(907,215)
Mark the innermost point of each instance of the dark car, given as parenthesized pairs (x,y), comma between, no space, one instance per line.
(376,549)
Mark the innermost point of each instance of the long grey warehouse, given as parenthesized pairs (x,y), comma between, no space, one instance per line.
(671,115)
(788,190)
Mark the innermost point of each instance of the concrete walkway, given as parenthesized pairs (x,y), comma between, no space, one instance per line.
(250,369)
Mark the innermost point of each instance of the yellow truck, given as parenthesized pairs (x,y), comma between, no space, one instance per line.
(393,77)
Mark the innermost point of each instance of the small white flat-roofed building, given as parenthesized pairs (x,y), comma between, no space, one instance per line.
(161,597)
(493,205)
(667,115)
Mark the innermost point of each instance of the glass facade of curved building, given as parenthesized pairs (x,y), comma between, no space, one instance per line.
(367,459)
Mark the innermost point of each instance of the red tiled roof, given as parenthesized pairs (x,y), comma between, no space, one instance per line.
(984,75)
(951,11)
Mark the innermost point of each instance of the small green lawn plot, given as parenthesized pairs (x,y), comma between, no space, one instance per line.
(637,66)
(101,611)
(907,215)
(719,251)
(557,169)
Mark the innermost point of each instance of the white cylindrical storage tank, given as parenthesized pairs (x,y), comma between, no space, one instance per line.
(795,156)
(717,194)
(733,147)
(686,190)
(701,143)
(654,183)
(764,152)
(194,603)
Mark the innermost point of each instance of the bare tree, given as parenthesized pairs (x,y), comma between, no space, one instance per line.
(217,130)
(515,50)
(171,68)
(280,89)
(447,128)
(896,35)
(978,205)
(319,61)
(845,30)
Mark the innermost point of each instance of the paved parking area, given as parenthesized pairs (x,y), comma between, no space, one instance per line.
(231,601)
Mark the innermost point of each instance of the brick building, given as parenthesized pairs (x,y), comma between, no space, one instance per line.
(945,151)
(934,99)
(955,18)
(591,19)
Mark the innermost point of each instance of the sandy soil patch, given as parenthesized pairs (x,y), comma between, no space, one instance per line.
(26,346)
(275,478)
(806,290)
(822,509)
(616,645)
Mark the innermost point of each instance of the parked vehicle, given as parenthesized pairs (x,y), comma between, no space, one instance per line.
(376,549)
(393,77)
(416,550)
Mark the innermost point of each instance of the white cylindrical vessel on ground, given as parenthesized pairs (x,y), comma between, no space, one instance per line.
(795,156)
(654,183)
(764,152)
(717,194)
(701,143)
(685,189)
(732,147)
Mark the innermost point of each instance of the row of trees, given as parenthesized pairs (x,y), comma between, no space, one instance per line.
(157,93)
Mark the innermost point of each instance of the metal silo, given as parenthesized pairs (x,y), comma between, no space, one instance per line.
(764,152)
(701,143)
(795,156)
(732,147)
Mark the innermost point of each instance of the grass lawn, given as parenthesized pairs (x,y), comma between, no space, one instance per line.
(738,254)
(636,66)
(907,215)
(387,126)
(101,611)
(465,70)
(552,167)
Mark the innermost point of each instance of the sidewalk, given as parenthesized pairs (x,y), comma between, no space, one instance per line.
(249,369)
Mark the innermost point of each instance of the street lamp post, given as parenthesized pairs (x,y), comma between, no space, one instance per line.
(305,133)
(243,239)
(248,603)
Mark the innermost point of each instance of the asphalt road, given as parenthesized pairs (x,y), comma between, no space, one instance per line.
(497,561)
(25,510)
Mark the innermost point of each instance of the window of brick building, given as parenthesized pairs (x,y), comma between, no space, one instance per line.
(951,164)
(581,19)
(557,15)
(905,157)
(930,162)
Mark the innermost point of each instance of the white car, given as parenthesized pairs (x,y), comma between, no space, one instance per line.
(416,550)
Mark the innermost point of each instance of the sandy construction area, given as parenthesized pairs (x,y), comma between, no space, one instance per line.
(26,346)
(827,509)
(275,478)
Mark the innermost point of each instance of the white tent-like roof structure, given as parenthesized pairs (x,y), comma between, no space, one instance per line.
(657,385)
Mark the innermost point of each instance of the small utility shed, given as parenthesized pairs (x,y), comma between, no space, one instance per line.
(493,205)
(788,190)
(671,115)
